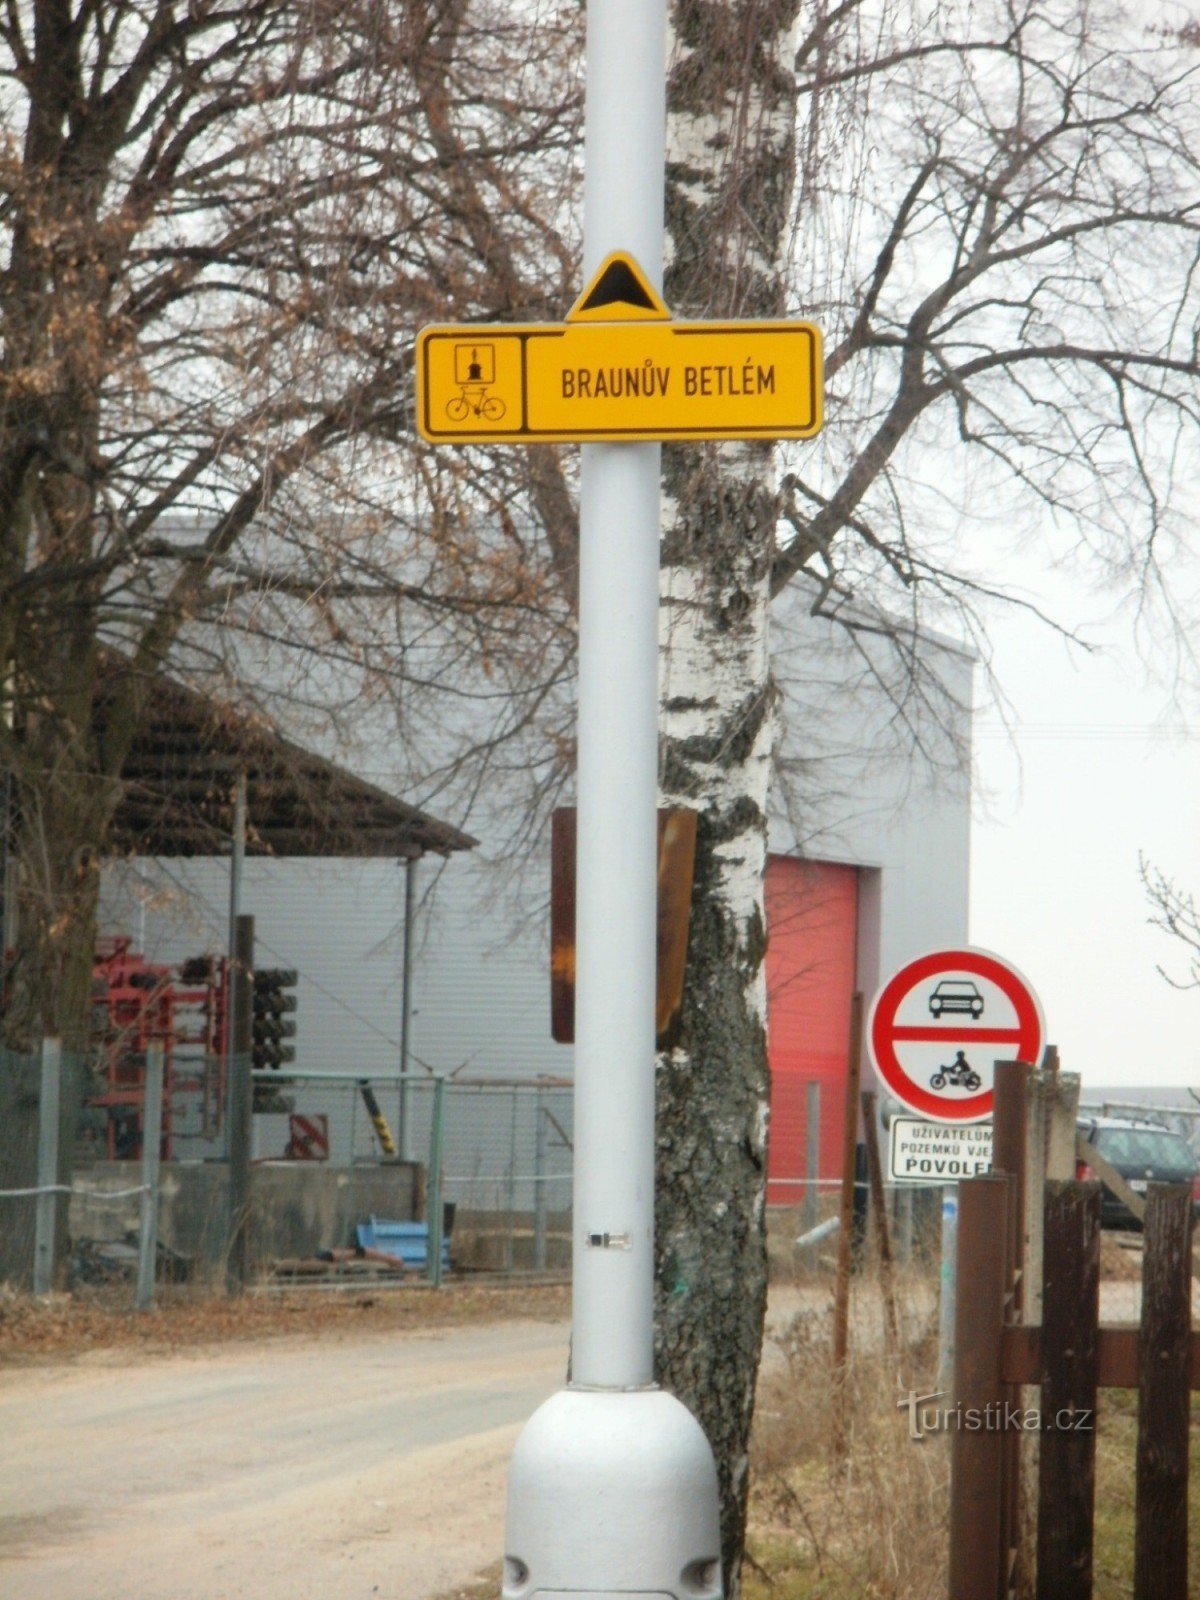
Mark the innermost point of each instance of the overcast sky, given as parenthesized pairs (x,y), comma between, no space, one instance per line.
(1105,762)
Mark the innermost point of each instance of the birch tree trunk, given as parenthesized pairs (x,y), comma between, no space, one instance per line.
(730,165)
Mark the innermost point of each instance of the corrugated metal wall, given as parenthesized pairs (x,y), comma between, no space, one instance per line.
(812,934)
(481,986)
(483,974)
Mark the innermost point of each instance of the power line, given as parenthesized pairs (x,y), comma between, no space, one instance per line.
(1105,732)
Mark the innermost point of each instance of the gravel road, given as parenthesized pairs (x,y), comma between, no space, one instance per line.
(280,1470)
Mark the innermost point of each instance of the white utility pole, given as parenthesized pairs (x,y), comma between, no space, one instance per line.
(613,1488)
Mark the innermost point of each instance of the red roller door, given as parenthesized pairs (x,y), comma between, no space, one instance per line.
(812,931)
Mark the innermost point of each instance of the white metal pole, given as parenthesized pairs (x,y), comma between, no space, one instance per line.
(613,1488)
(616,869)
(625,133)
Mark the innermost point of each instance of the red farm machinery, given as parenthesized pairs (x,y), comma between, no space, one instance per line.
(137,1004)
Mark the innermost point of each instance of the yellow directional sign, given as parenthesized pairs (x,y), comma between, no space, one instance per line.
(618,369)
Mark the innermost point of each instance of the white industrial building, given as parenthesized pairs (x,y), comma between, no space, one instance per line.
(869,867)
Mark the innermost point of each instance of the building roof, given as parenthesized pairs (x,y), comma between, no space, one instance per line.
(180,776)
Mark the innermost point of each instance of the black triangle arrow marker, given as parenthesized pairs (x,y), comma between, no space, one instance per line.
(618,284)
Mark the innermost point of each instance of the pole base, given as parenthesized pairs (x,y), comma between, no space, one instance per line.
(612,1492)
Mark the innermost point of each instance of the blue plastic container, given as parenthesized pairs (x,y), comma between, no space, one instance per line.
(407,1241)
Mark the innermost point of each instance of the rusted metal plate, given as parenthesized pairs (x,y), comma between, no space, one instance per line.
(676,865)
(562,925)
(978,1547)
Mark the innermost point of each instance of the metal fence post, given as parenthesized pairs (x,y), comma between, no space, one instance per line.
(1063,1114)
(879,1218)
(403,1132)
(46,1210)
(433,1182)
(539,1183)
(812,1162)
(241,1104)
(978,1545)
(148,1200)
(510,1245)
(841,1294)
(947,1279)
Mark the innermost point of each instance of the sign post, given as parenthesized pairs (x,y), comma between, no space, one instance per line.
(612,1488)
(934,1033)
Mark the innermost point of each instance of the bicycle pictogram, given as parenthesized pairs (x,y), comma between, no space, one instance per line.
(475,372)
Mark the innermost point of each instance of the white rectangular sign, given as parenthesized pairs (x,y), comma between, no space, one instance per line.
(932,1152)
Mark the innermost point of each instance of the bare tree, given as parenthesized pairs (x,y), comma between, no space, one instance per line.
(1173,910)
(223,225)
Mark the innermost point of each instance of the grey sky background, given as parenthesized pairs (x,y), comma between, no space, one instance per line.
(1103,761)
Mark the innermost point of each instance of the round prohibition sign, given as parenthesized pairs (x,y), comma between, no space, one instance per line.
(938,1026)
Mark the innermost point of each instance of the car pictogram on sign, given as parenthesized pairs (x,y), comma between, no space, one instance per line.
(956,994)
(939,1025)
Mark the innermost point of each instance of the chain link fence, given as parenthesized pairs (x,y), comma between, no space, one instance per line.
(43,1123)
(508,1160)
(87,1199)
(499,1151)
(502,1151)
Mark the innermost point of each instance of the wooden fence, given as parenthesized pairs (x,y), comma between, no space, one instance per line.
(1023,1490)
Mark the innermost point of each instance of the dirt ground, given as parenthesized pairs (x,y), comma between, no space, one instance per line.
(311,1444)
(62,1327)
(277,1446)
(221,1451)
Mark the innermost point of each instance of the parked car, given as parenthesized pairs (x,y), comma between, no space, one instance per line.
(1143,1153)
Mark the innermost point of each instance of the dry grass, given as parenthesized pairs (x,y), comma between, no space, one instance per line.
(867,1521)
(870,1522)
(61,1327)
(1121,1257)
(1116,1447)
